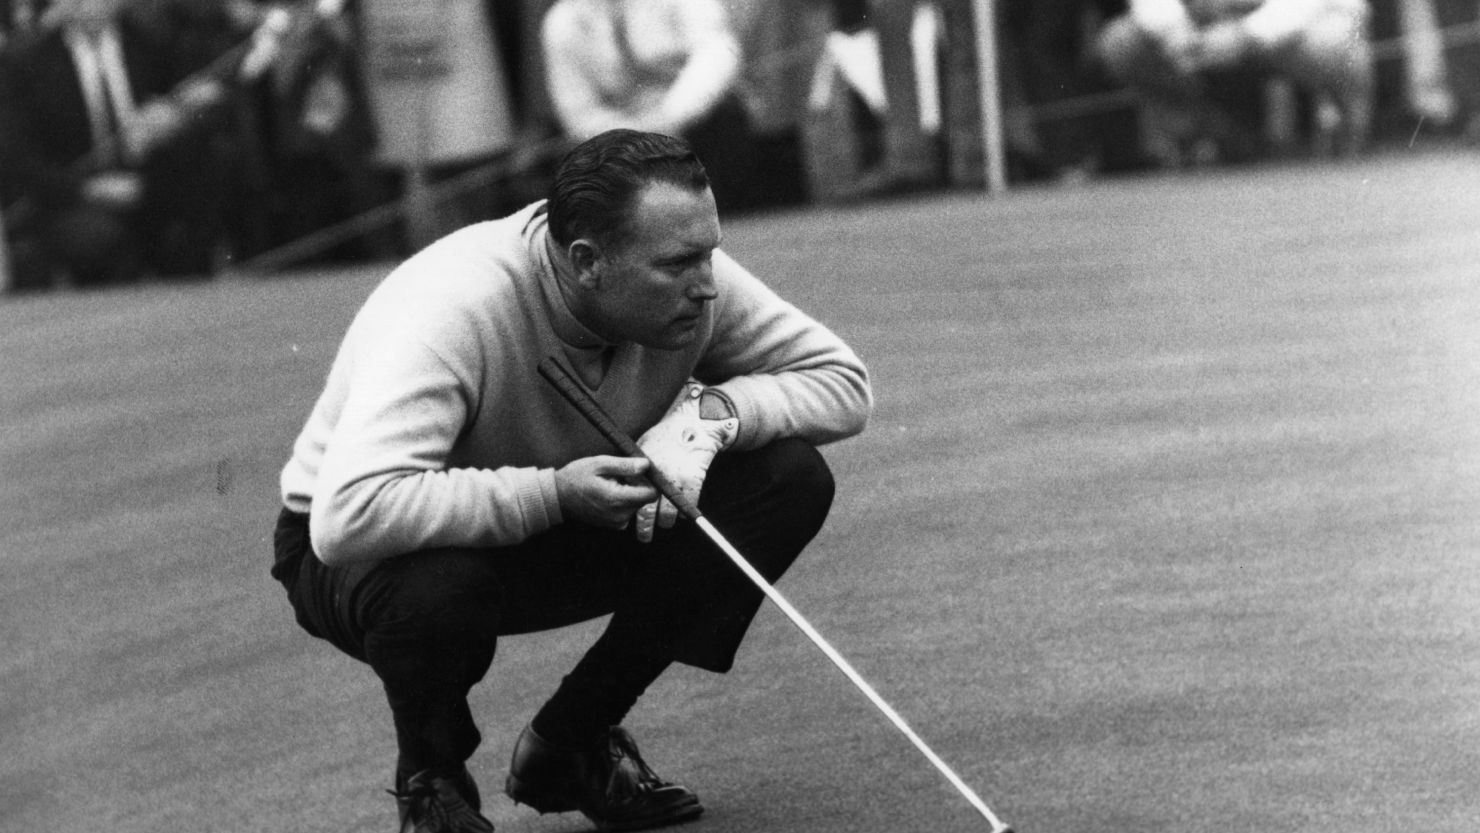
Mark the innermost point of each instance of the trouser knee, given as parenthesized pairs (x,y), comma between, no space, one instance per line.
(440,597)
(805,484)
(772,500)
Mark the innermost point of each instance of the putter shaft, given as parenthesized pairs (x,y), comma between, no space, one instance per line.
(564,382)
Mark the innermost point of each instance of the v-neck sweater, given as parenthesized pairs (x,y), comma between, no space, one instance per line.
(435,430)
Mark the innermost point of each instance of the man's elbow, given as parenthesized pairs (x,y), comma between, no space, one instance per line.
(862,409)
(852,407)
(339,540)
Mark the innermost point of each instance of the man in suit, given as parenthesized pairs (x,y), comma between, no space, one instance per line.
(102,127)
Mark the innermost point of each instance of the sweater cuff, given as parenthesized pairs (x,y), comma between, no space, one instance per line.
(549,498)
(745,410)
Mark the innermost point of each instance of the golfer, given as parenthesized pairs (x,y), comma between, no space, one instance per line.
(442,494)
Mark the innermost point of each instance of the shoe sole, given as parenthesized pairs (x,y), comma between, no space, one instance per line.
(542,803)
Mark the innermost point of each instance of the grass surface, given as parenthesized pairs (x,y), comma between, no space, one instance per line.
(1167,521)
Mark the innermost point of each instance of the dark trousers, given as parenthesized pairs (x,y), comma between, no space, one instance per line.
(428,622)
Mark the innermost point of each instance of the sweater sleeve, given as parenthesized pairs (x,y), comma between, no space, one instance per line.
(384,487)
(1161,18)
(786,374)
(1277,22)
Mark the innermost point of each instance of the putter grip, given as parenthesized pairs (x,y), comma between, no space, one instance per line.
(576,394)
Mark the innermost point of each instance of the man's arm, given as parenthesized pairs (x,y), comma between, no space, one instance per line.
(1278,22)
(784,373)
(383,484)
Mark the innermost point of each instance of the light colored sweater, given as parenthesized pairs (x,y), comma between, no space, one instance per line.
(658,65)
(434,428)
(1270,22)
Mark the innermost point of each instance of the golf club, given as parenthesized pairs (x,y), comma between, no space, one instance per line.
(574,392)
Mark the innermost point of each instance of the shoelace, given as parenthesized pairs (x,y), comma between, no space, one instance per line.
(441,814)
(624,746)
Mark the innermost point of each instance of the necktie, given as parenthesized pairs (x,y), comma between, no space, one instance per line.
(94,97)
(620,37)
(120,91)
(105,91)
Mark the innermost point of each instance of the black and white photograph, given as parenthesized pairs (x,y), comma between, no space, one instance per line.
(740,416)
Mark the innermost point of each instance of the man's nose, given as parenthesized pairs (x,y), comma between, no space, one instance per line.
(702,288)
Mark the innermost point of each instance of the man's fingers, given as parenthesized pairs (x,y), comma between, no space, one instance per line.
(667,513)
(646,516)
(631,495)
(625,478)
(622,467)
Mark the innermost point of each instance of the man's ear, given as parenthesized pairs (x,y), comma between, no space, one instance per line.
(585,254)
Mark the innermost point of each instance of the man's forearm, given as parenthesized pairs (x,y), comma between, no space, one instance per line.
(380,517)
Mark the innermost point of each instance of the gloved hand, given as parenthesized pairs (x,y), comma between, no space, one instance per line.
(114,190)
(682,445)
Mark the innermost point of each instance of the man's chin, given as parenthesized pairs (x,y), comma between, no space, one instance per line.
(672,343)
(676,337)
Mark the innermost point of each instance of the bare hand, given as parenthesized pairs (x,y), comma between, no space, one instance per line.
(155,124)
(116,190)
(603,491)
(1223,45)
(1179,43)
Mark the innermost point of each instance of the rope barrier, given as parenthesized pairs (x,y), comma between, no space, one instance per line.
(347,230)
(322,240)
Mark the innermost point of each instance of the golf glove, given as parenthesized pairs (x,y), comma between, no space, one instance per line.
(682,445)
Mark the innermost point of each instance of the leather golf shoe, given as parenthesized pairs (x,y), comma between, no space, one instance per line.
(433,802)
(608,781)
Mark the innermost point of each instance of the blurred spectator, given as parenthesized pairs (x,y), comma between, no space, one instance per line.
(313,164)
(440,101)
(668,66)
(1427,89)
(911,158)
(16,16)
(102,113)
(1052,42)
(1199,64)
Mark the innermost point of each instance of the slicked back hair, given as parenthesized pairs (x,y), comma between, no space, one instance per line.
(596,182)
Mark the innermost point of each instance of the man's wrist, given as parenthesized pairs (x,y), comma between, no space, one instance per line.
(715,405)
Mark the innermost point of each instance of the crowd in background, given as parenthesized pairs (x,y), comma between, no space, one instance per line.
(175,139)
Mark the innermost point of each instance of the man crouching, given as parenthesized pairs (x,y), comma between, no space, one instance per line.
(441,494)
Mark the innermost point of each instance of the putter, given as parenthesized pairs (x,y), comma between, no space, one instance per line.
(576,394)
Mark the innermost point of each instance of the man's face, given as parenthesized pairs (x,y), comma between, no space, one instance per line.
(650,284)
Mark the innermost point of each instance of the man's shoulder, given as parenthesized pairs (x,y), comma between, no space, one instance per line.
(476,265)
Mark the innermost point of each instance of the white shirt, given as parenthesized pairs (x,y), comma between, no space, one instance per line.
(111,109)
(658,65)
